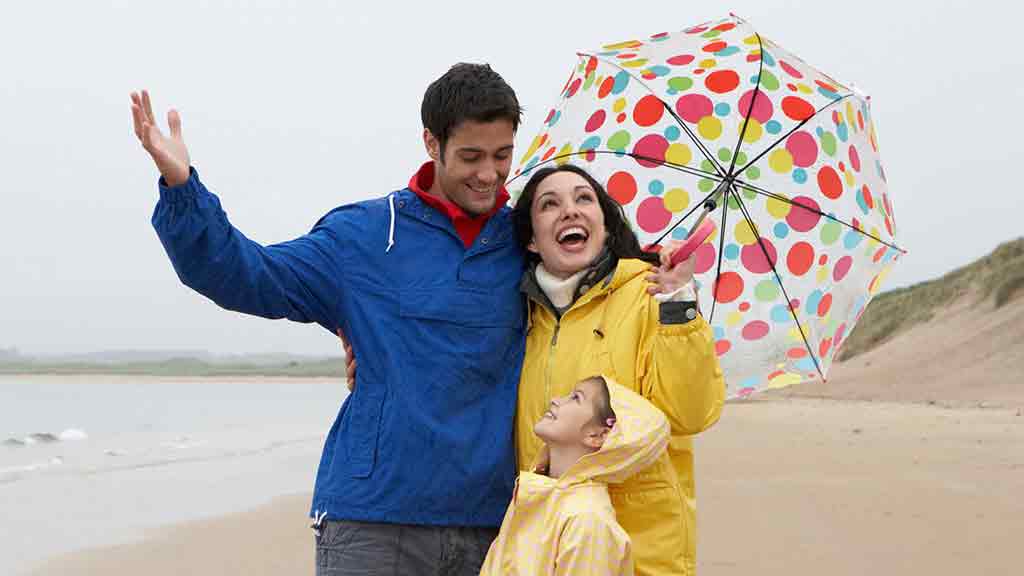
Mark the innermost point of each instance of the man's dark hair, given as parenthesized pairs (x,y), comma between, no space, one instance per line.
(467,92)
(621,241)
(603,413)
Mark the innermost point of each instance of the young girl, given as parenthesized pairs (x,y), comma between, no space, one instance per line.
(561,519)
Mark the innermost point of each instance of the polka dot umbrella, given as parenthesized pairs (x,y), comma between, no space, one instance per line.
(719,118)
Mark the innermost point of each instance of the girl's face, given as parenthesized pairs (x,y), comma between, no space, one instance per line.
(568,224)
(569,419)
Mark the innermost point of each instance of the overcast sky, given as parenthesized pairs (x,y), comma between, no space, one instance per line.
(292,108)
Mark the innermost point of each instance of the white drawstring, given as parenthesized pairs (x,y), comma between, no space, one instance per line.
(391,227)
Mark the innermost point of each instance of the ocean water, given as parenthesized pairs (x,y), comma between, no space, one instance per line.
(93,461)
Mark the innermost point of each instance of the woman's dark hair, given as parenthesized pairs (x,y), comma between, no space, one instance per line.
(621,241)
(467,92)
(603,412)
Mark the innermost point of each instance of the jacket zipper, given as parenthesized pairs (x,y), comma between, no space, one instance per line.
(551,356)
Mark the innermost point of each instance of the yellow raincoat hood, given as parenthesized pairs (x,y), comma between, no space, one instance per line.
(567,525)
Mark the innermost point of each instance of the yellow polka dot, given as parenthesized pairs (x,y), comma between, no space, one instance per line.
(638,63)
(563,155)
(678,153)
(804,88)
(794,334)
(710,127)
(849,117)
(619,105)
(744,234)
(780,160)
(754,131)
(707,63)
(751,40)
(785,379)
(734,318)
(849,179)
(822,274)
(676,200)
(778,208)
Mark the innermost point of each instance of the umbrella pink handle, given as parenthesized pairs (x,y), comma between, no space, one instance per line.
(695,239)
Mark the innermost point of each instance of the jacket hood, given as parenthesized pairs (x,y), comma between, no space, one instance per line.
(636,441)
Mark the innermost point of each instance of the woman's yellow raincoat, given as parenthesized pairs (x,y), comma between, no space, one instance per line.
(615,329)
(563,526)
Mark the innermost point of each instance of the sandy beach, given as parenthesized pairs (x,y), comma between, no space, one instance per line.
(786,486)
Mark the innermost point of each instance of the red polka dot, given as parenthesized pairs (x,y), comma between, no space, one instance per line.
(754,260)
(804,214)
(573,87)
(725,27)
(797,108)
(878,254)
(591,64)
(652,216)
(860,120)
(796,353)
(722,81)
(762,110)
(854,159)
(744,306)
(693,107)
(595,121)
(549,153)
(551,115)
(728,287)
(680,60)
(800,258)
(824,305)
(840,333)
(698,71)
(842,268)
(869,201)
(626,56)
(826,86)
(622,187)
(790,70)
(722,346)
(621,118)
(824,347)
(792,87)
(651,148)
(648,111)
(829,183)
(606,87)
(755,330)
(803,147)
(823,259)
(704,258)
(714,46)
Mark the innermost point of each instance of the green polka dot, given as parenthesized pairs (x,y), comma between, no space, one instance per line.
(734,204)
(769,81)
(705,185)
(680,83)
(589,81)
(828,143)
(711,34)
(619,140)
(724,154)
(752,173)
(830,232)
(749,194)
(741,159)
(767,290)
(707,166)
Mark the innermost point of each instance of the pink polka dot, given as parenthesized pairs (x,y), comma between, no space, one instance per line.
(722,346)
(704,258)
(790,70)
(854,158)
(680,60)
(803,219)
(651,147)
(693,107)
(651,215)
(842,268)
(595,121)
(755,330)
(762,111)
(753,257)
(804,149)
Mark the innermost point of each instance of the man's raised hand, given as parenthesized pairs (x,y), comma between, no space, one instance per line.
(169,153)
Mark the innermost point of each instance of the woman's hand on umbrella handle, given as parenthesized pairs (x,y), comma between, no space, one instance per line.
(666,279)
(350,362)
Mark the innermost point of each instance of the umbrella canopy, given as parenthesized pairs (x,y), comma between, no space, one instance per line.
(788,157)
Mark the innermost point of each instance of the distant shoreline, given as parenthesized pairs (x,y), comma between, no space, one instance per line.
(185,368)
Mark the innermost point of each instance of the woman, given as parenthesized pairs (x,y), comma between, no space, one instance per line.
(599,304)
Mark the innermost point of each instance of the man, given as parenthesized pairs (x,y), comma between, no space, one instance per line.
(418,468)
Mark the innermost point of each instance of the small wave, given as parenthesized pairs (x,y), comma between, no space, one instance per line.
(13,473)
(70,434)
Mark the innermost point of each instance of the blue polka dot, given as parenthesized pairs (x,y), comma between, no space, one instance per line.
(842,132)
(679,233)
(773,127)
(813,300)
(732,251)
(672,133)
(727,51)
(767,58)
(722,109)
(852,239)
(781,314)
(819,131)
(590,143)
(554,119)
(659,71)
(533,162)
(799,175)
(752,382)
(781,230)
(672,91)
(656,187)
(621,81)
(805,364)
(719,332)
(828,93)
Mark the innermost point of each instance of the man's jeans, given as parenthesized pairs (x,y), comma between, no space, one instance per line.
(345,548)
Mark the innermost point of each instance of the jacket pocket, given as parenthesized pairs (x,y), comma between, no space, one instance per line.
(362,433)
(463,307)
